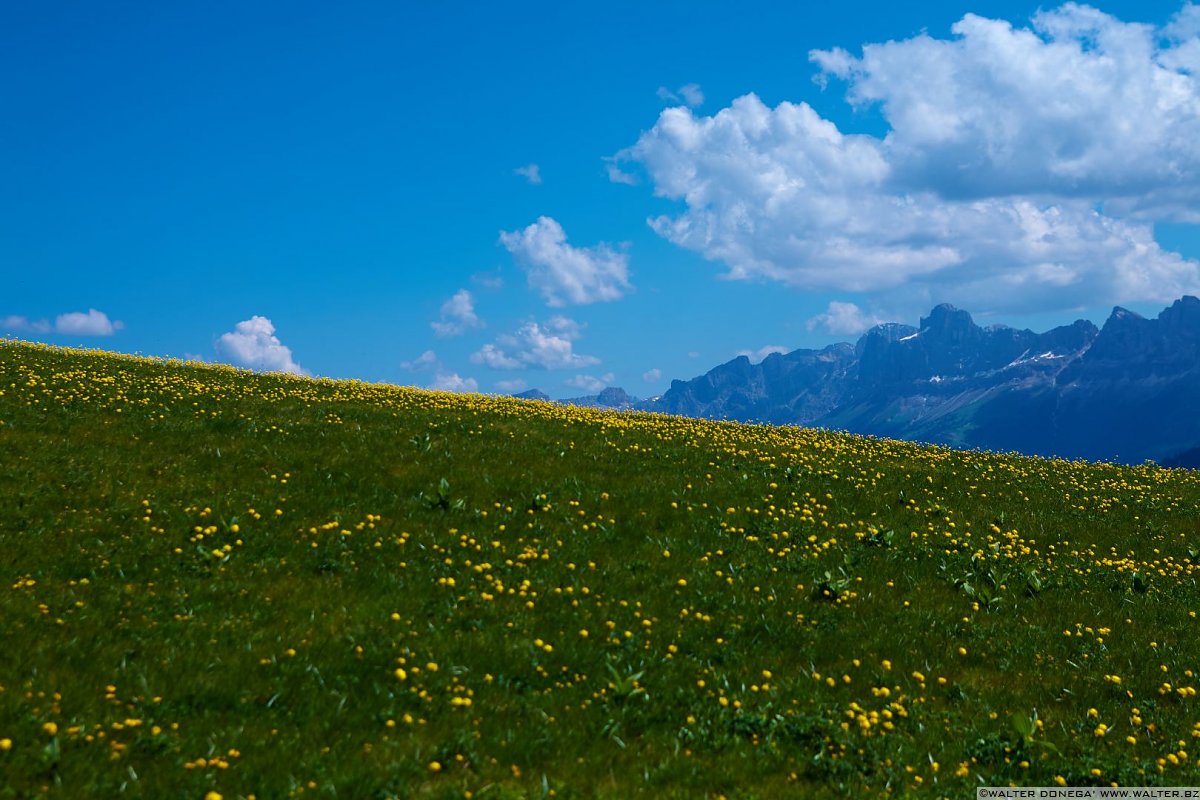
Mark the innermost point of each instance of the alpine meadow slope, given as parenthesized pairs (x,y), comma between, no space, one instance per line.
(227,584)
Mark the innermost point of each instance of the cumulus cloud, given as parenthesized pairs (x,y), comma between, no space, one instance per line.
(1183,28)
(617,175)
(652,375)
(1080,104)
(453,382)
(843,319)
(1023,168)
(590,383)
(514,385)
(93,323)
(74,323)
(565,274)
(457,315)
(252,343)
(689,95)
(493,356)
(549,345)
(427,360)
(530,172)
(758,355)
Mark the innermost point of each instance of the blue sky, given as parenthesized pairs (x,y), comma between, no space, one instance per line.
(350,190)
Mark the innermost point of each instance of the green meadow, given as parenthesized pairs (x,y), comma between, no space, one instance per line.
(218,584)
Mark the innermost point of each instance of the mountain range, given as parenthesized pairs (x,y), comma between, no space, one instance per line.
(1128,391)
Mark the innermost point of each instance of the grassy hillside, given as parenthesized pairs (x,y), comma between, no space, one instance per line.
(267,586)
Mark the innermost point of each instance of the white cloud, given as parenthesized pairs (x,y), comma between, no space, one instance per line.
(452,382)
(758,355)
(252,343)
(587,383)
(546,346)
(616,175)
(689,95)
(590,383)
(488,280)
(515,385)
(1023,168)
(74,323)
(565,274)
(843,319)
(1079,105)
(457,315)
(1184,26)
(530,172)
(24,324)
(652,375)
(427,360)
(443,379)
(492,356)
(93,323)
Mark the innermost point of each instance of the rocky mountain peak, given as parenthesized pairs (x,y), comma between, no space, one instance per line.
(1127,391)
(950,323)
(1182,316)
(1122,319)
(614,396)
(885,333)
(1069,339)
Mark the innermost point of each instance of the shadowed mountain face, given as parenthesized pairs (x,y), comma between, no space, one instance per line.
(801,385)
(1128,392)
(613,398)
